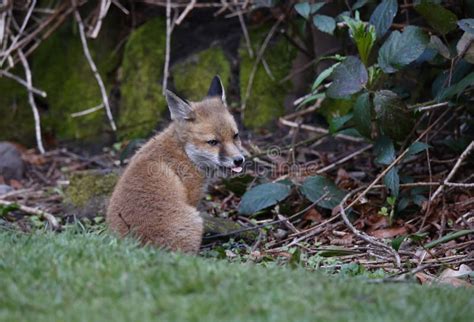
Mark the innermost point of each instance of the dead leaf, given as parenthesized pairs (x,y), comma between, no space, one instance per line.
(32,158)
(453,281)
(313,215)
(389,232)
(345,241)
(454,277)
(424,278)
(462,271)
(16,184)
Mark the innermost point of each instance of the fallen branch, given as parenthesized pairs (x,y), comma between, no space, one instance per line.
(371,240)
(51,219)
(453,171)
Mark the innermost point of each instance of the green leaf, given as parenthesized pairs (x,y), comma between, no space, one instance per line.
(467,25)
(324,23)
(437,44)
(316,187)
(418,237)
(457,88)
(323,75)
(384,150)
(392,181)
(348,78)
(336,251)
(359,4)
(6,209)
(416,148)
(393,117)
(364,37)
(449,237)
(305,9)
(383,15)
(397,242)
(465,47)
(337,123)
(441,19)
(363,115)
(400,49)
(263,196)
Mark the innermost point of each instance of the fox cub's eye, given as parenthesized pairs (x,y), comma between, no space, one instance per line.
(236,136)
(213,142)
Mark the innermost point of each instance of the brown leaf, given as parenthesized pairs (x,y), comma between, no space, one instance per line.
(389,232)
(16,184)
(345,241)
(453,281)
(424,278)
(313,215)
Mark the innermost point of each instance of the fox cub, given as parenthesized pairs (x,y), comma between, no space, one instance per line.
(155,199)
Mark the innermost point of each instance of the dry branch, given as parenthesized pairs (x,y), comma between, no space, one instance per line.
(168,46)
(453,171)
(87,54)
(52,220)
(31,100)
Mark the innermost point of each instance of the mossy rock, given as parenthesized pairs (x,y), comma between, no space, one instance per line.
(89,191)
(60,68)
(142,102)
(16,121)
(193,76)
(266,101)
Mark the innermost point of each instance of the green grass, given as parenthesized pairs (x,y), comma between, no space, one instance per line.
(86,277)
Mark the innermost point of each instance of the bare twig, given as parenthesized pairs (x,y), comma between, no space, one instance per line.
(340,161)
(245,33)
(257,62)
(103,9)
(31,99)
(318,130)
(453,171)
(361,235)
(87,54)
(400,157)
(168,46)
(20,32)
(23,82)
(185,12)
(52,220)
(88,111)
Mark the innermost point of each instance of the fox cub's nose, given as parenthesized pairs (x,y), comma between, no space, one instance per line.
(238,161)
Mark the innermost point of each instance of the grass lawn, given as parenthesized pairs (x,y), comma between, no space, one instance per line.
(86,277)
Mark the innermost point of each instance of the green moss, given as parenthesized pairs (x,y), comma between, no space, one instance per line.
(266,101)
(193,76)
(16,121)
(142,100)
(60,68)
(87,186)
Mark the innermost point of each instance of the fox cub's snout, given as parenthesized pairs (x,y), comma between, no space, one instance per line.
(208,130)
(159,207)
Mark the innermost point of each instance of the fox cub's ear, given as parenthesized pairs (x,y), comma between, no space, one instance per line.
(180,110)
(216,89)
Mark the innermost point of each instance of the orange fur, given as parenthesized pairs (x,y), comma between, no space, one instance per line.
(155,200)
